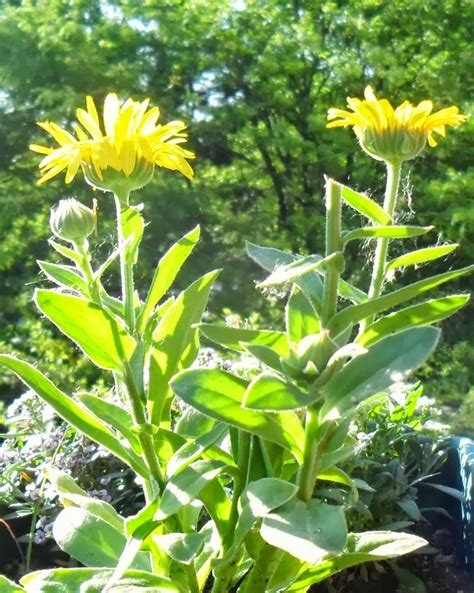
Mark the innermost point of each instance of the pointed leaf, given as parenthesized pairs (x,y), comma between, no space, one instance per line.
(219,395)
(387,361)
(301,318)
(266,355)
(70,494)
(356,313)
(91,540)
(269,258)
(166,272)
(426,313)
(97,333)
(365,205)
(176,341)
(114,415)
(420,256)
(94,580)
(191,450)
(257,500)
(301,267)
(65,276)
(390,232)
(186,485)
(363,547)
(269,393)
(72,412)
(232,337)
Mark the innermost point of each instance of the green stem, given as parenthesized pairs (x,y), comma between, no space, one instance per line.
(240,482)
(307,473)
(126,266)
(333,245)
(88,272)
(145,433)
(265,567)
(223,580)
(381,250)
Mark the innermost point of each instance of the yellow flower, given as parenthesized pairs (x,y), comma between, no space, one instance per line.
(390,134)
(120,150)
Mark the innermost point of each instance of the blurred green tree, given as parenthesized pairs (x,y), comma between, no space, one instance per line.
(254,79)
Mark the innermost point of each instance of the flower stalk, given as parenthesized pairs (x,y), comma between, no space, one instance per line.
(381,250)
(126,264)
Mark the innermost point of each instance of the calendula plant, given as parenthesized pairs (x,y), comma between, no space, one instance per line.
(232,497)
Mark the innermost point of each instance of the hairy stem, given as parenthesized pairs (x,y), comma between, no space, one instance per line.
(333,245)
(126,265)
(381,249)
(88,272)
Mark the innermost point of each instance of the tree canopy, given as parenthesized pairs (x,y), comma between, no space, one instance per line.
(253,79)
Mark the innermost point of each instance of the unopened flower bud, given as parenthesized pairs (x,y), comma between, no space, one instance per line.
(316,349)
(72,221)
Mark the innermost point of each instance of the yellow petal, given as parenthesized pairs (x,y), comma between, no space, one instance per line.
(111,113)
(40,149)
(61,136)
(92,109)
(89,124)
(128,155)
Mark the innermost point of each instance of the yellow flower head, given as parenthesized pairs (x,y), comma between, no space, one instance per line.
(120,150)
(390,134)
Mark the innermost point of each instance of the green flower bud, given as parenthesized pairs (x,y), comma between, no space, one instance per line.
(72,221)
(316,349)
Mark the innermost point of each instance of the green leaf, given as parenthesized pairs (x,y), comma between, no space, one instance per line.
(219,395)
(191,450)
(97,333)
(269,258)
(266,355)
(295,270)
(363,547)
(337,475)
(387,361)
(65,276)
(70,494)
(90,580)
(72,412)
(166,272)
(269,393)
(365,205)
(301,318)
(186,485)
(310,531)
(66,252)
(426,313)
(389,232)
(410,507)
(257,500)
(114,415)
(181,547)
(232,337)
(351,293)
(218,505)
(420,256)
(176,341)
(356,313)
(7,586)
(91,540)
